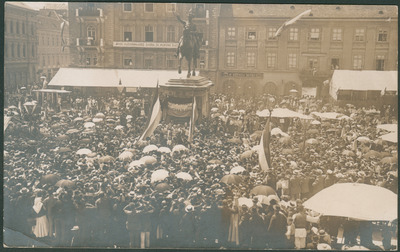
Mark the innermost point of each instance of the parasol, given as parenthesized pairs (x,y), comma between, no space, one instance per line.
(391,137)
(179,147)
(89,125)
(150,148)
(245,201)
(355,200)
(315,122)
(237,169)
(78,119)
(99,115)
(231,179)
(162,187)
(389,160)
(136,163)
(125,156)
(164,150)
(64,149)
(184,176)
(148,160)
(83,151)
(363,139)
(387,127)
(50,179)
(214,110)
(263,190)
(65,183)
(159,175)
(106,159)
(372,154)
(312,141)
(96,120)
(72,131)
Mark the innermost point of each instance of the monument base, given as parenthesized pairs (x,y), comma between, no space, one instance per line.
(177,97)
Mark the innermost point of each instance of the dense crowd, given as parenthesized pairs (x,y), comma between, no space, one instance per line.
(108,200)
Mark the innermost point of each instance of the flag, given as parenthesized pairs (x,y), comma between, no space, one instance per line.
(264,152)
(154,120)
(290,22)
(192,120)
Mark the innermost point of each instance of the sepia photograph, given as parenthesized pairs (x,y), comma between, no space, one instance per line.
(189,125)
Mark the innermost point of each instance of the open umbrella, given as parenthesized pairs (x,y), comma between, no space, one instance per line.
(348,153)
(136,163)
(315,122)
(65,183)
(96,120)
(391,137)
(125,156)
(231,179)
(246,154)
(72,131)
(389,160)
(78,119)
(100,115)
(106,159)
(150,148)
(312,141)
(263,190)
(363,139)
(214,110)
(83,151)
(184,176)
(50,179)
(245,201)
(237,169)
(63,150)
(159,175)
(89,125)
(164,150)
(372,154)
(148,160)
(179,147)
(162,187)
(355,200)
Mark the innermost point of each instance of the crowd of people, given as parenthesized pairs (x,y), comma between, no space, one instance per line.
(109,200)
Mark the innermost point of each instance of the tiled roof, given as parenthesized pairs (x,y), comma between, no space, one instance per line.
(318,11)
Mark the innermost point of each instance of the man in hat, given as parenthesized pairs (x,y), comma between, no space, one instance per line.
(133,222)
(187,227)
(277,229)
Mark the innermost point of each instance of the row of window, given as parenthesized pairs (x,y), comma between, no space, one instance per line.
(149,7)
(149,33)
(53,60)
(149,60)
(17,27)
(314,34)
(17,50)
(251,59)
(47,41)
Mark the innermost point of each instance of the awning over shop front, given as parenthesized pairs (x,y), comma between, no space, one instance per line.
(97,77)
(362,81)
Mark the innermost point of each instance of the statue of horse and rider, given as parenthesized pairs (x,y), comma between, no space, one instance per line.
(189,44)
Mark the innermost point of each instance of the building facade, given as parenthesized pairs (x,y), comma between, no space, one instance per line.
(253,61)
(139,35)
(51,53)
(20,46)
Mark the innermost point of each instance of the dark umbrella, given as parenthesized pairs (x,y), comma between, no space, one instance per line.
(162,187)
(263,190)
(65,183)
(231,179)
(50,179)
(372,154)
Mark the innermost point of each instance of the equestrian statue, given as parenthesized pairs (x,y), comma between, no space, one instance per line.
(189,44)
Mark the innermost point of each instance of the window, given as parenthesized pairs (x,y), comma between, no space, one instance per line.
(251,35)
(23,28)
(337,34)
(231,33)
(127,33)
(87,61)
(91,33)
(314,34)
(359,34)
(171,61)
(33,51)
(271,33)
(200,10)
(52,40)
(95,60)
(48,41)
(171,7)
(380,63)
(42,40)
(17,27)
(230,59)
(44,61)
(292,60)
(251,59)
(148,62)
(12,50)
(32,30)
(313,64)
(11,27)
(382,35)
(334,63)
(357,62)
(127,7)
(18,51)
(148,7)
(128,62)
(24,50)
(149,33)
(58,41)
(293,34)
(271,60)
(171,33)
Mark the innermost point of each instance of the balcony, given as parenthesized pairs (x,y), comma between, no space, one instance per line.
(89,12)
(87,42)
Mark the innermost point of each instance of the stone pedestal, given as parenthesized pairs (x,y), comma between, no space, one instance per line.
(176,97)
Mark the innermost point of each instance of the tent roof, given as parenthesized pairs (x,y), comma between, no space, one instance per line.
(365,80)
(99,77)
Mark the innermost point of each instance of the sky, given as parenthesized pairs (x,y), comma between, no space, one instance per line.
(40,5)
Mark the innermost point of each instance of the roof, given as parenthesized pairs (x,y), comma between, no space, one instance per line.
(21,5)
(318,11)
(99,77)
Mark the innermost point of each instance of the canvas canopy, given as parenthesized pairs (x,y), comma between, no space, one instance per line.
(362,81)
(97,77)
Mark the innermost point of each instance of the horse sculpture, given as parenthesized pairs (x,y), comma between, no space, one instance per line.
(189,49)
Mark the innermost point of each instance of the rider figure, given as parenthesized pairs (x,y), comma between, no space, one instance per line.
(187,26)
